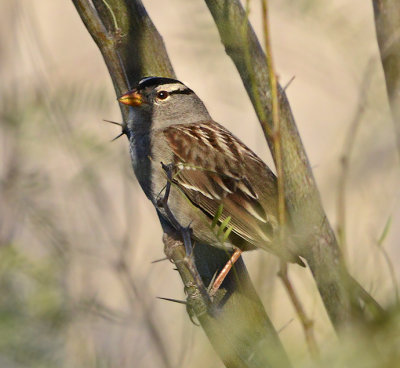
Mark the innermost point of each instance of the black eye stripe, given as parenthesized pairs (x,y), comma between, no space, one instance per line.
(186,91)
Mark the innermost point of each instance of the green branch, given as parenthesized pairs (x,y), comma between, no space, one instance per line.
(315,239)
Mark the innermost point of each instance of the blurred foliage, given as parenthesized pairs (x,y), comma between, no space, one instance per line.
(33,310)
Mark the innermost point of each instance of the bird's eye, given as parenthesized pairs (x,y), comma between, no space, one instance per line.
(162,95)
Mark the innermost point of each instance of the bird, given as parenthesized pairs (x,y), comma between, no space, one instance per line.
(218,187)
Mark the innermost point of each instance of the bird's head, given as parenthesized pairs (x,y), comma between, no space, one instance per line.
(159,102)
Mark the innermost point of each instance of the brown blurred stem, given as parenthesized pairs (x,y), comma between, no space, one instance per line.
(306,323)
(346,156)
(387,25)
(315,238)
(239,329)
(134,294)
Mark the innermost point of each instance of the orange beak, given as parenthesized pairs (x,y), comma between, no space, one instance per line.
(131,98)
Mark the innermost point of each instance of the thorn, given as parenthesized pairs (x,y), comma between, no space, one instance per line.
(113,122)
(285,325)
(172,300)
(122,125)
(211,284)
(118,136)
(160,260)
(289,83)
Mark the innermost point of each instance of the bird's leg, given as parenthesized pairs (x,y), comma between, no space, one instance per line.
(185,231)
(224,272)
(187,239)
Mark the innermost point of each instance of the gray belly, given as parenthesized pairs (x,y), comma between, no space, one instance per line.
(146,162)
(185,212)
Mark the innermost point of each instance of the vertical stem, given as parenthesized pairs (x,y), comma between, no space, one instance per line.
(346,157)
(276,130)
(387,24)
(276,140)
(315,238)
(307,323)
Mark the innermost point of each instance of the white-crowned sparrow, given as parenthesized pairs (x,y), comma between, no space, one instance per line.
(220,189)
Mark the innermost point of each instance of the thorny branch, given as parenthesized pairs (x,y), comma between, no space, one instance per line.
(132,48)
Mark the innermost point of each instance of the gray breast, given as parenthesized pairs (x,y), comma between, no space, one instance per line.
(140,150)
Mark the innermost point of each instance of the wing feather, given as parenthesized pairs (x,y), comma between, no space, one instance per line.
(209,176)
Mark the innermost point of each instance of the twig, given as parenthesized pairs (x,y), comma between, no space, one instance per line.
(387,258)
(276,130)
(276,140)
(286,325)
(134,294)
(306,322)
(346,155)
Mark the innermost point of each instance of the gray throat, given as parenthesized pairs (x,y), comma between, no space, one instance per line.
(140,150)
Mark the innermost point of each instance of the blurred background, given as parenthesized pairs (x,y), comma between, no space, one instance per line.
(77,235)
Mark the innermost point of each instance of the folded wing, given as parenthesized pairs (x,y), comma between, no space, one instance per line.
(212,167)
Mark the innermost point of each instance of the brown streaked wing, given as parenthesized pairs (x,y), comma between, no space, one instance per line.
(211,172)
